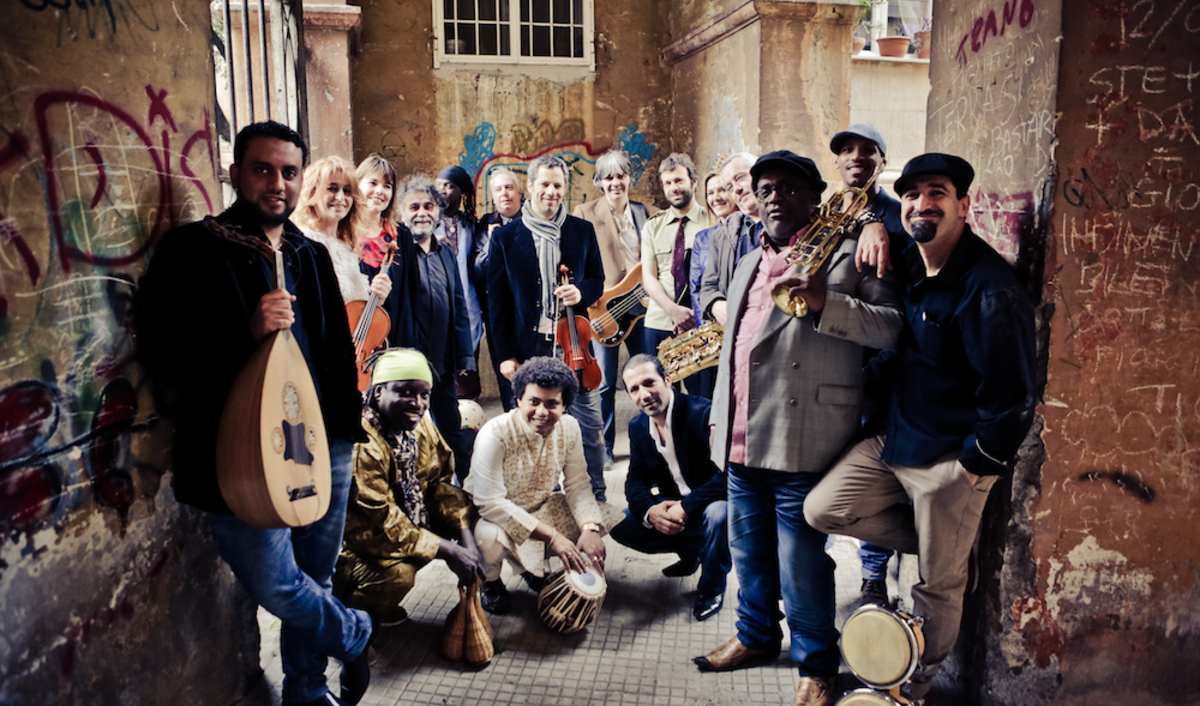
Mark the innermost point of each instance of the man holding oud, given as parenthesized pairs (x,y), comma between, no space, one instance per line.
(526,297)
(404,511)
(962,404)
(207,301)
(787,402)
(676,493)
(618,223)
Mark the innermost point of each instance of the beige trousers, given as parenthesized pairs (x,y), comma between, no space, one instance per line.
(932,511)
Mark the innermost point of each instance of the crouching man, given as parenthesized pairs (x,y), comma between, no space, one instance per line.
(521,459)
(403,511)
(669,452)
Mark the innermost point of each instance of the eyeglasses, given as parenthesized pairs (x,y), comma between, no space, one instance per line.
(787,190)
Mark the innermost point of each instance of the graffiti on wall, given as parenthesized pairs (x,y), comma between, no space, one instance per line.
(479,157)
(87,185)
(96,19)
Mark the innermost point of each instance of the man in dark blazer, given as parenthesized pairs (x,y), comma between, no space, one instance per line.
(505,189)
(525,299)
(669,452)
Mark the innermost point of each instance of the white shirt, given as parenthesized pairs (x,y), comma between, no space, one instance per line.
(665,445)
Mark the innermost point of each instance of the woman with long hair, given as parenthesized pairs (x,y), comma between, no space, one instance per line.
(329,213)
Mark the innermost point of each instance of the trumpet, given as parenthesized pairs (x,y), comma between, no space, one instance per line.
(831,225)
(692,351)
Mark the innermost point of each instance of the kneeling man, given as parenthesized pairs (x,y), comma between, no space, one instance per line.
(403,510)
(530,482)
(669,452)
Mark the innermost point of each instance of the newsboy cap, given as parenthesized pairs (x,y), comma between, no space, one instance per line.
(957,169)
(786,159)
(865,130)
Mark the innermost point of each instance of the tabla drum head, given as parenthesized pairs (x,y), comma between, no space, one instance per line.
(880,647)
(589,583)
(866,697)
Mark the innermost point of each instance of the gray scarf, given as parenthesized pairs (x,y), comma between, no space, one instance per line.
(546,238)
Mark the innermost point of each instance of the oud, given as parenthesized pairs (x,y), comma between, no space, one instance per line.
(273,463)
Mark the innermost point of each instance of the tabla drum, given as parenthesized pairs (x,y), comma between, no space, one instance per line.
(866,697)
(881,646)
(570,601)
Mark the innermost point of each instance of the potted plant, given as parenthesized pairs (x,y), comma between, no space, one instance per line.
(894,46)
(862,31)
(922,38)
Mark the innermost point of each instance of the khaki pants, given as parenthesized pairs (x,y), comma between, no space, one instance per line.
(932,511)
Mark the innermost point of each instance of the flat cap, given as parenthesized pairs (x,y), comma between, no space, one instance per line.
(957,169)
(786,159)
(865,130)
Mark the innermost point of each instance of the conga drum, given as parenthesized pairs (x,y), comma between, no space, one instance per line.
(866,697)
(570,601)
(881,646)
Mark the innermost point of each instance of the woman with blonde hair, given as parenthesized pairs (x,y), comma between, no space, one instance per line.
(719,207)
(329,213)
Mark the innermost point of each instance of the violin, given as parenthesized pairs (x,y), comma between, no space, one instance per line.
(574,335)
(371,331)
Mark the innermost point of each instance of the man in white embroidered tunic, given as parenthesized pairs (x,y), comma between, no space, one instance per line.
(521,460)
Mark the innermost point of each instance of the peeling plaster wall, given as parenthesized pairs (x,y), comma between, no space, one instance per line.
(1115,528)
(480,116)
(109,591)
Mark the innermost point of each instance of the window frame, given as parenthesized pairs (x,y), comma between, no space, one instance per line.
(440,57)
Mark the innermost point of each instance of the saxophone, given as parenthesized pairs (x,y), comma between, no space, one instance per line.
(692,351)
(831,225)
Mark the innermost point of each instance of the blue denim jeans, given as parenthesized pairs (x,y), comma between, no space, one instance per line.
(874,560)
(777,554)
(706,536)
(585,408)
(289,572)
(607,358)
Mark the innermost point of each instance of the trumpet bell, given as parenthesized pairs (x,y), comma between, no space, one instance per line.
(794,306)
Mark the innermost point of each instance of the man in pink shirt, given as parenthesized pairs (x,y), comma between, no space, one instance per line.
(787,402)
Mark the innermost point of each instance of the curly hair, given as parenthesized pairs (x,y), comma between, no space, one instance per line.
(316,178)
(550,373)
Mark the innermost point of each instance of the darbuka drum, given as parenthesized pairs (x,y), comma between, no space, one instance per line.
(866,697)
(569,601)
(881,646)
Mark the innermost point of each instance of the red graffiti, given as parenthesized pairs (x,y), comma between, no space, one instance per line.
(159,155)
(115,413)
(28,495)
(1021,11)
(29,414)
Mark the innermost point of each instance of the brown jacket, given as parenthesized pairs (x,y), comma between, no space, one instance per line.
(598,214)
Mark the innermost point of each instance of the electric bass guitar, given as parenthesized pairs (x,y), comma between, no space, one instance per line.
(618,309)
(272,452)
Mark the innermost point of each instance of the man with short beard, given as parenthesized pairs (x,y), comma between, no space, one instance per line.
(787,403)
(666,245)
(439,312)
(207,301)
(525,298)
(618,222)
(739,237)
(963,403)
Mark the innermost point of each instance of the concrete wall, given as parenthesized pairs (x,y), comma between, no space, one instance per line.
(482,115)
(109,591)
(1079,119)
(891,94)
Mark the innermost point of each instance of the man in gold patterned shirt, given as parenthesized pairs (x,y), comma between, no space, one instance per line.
(403,511)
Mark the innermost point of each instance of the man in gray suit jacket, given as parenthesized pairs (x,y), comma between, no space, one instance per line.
(787,402)
(618,223)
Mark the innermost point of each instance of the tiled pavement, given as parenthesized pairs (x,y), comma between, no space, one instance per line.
(638,651)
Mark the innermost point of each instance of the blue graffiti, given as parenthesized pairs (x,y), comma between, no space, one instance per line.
(639,151)
(480,147)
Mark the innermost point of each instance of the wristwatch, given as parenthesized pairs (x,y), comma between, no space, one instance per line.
(590,526)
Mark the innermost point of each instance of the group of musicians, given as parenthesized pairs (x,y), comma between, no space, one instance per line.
(904,296)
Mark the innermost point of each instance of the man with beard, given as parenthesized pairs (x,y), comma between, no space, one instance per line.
(676,493)
(618,223)
(787,403)
(403,510)
(439,312)
(525,297)
(963,403)
(738,238)
(666,243)
(505,189)
(207,301)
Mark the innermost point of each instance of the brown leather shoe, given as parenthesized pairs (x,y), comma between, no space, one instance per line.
(814,691)
(734,655)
